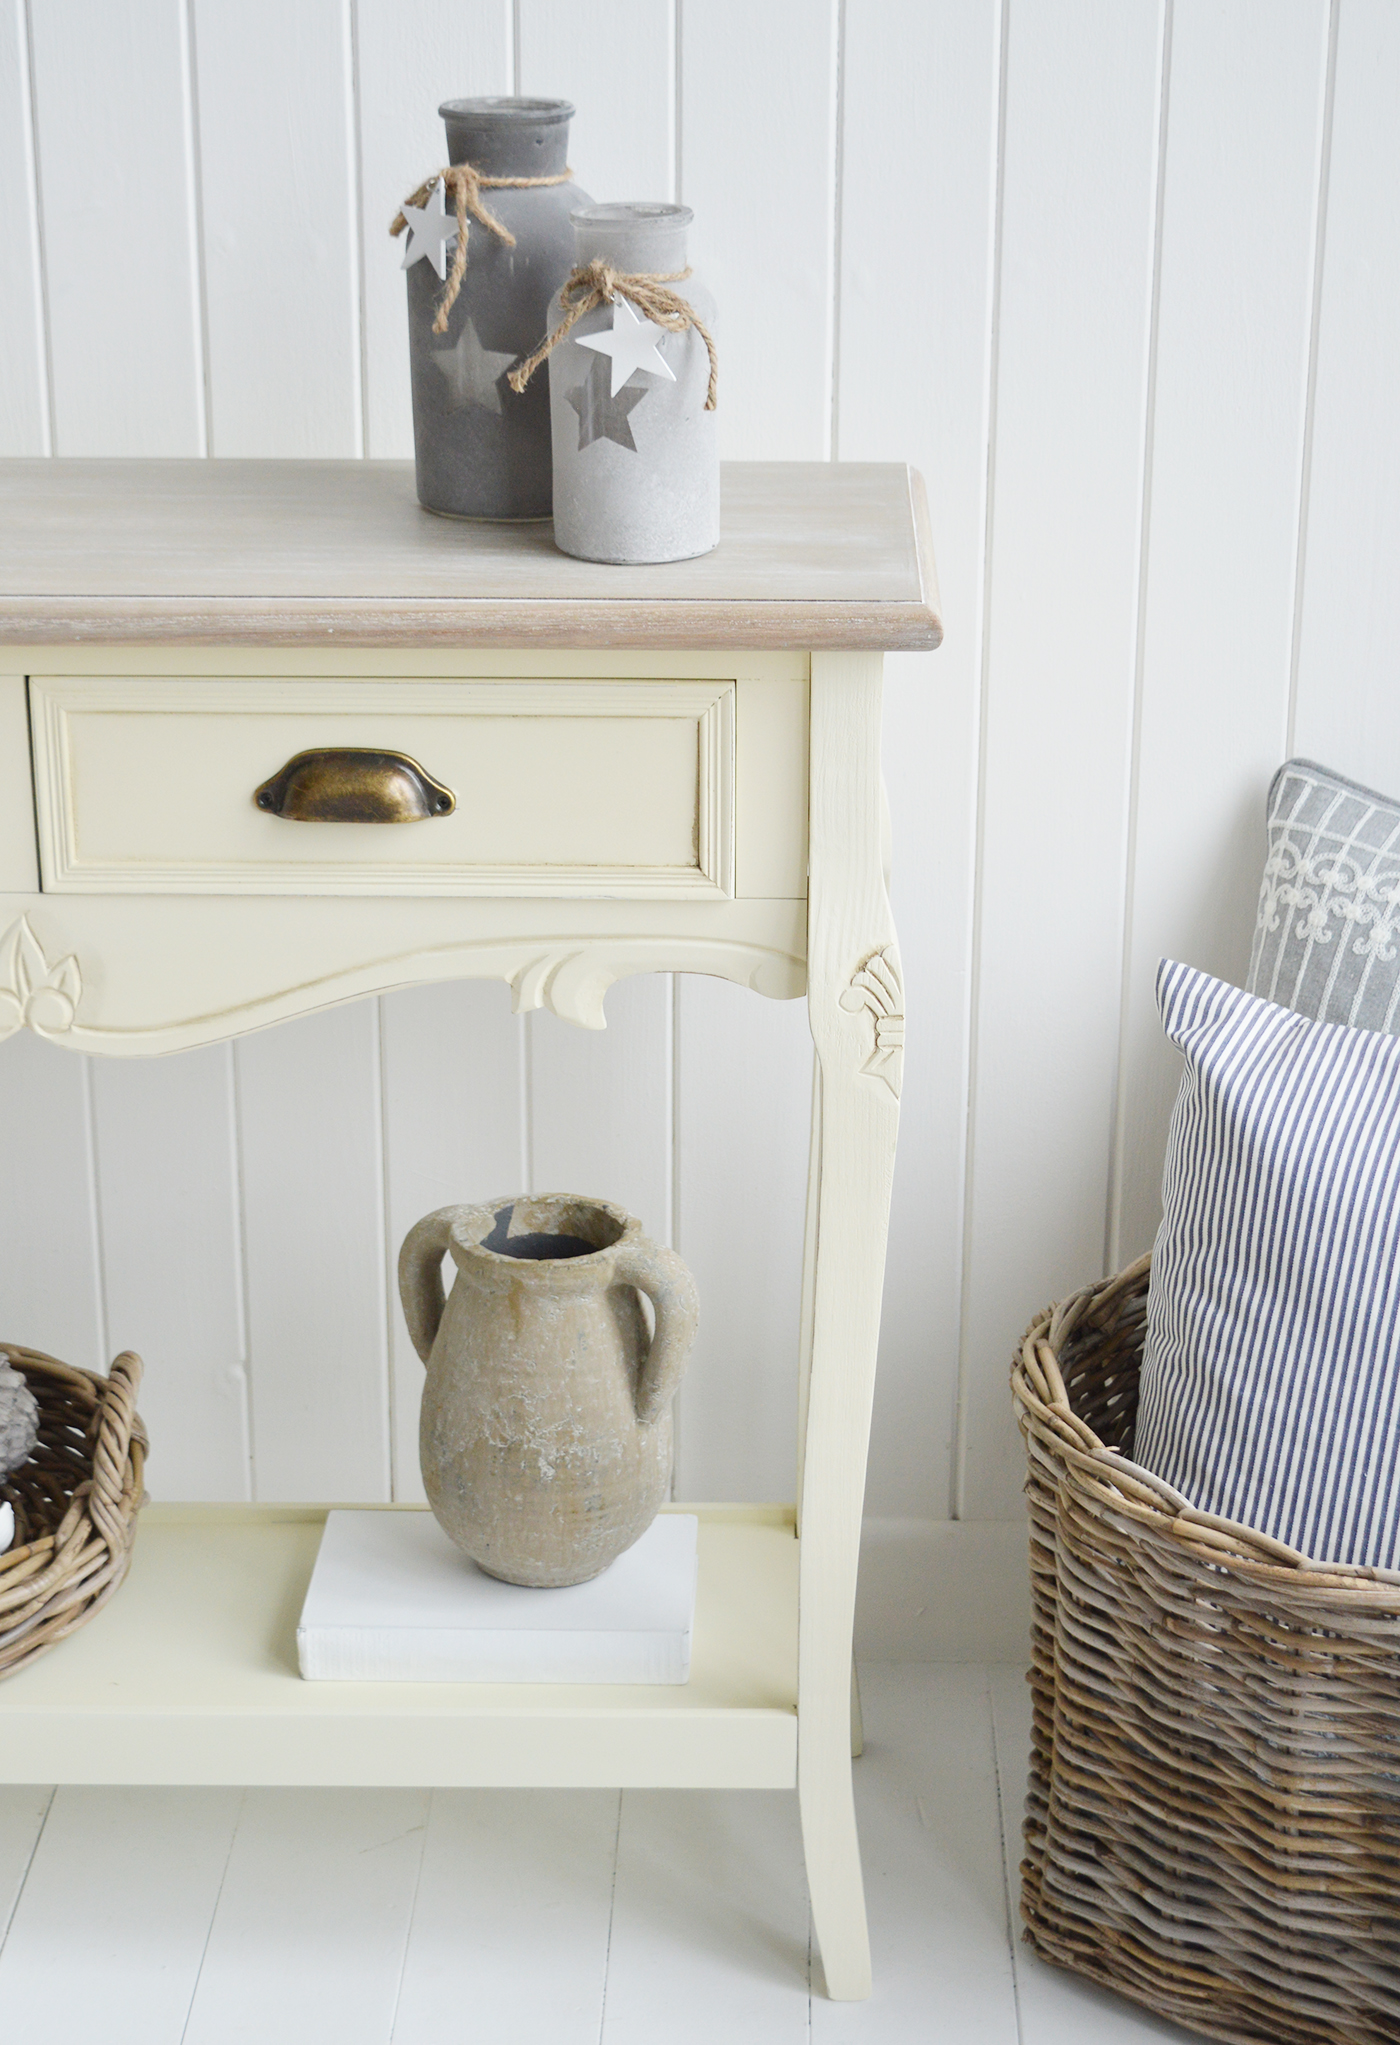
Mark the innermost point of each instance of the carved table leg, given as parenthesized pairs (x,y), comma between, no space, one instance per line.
(856,1004)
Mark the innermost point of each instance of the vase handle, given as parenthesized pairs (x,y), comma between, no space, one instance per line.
(664,1279)
(420,1275)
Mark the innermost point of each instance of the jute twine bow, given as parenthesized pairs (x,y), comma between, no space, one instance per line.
(466,184)
(597,283)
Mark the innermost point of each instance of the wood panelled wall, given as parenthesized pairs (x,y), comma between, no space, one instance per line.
(1121,277)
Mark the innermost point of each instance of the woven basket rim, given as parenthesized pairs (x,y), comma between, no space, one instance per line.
(1106,1479)
(89,1479)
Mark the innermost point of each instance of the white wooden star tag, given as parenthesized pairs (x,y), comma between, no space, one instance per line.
(632,344)
(431,232)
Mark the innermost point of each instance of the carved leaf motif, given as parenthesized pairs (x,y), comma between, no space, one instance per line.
(67,979)
(31,990)
(30,963)
(9,960)
(577,987)
(878,987)
(533,984)
(571,979)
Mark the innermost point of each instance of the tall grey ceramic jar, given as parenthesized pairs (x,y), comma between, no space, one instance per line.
(482,449)
(636,455)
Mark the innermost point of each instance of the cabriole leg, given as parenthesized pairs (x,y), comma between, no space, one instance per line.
(856,1005)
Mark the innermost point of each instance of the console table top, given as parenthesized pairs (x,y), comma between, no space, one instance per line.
(814,555)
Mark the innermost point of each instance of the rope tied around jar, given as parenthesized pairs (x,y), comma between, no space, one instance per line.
(466,184)
(597,283)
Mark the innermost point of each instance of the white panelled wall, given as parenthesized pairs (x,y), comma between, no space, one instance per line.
(1121,278)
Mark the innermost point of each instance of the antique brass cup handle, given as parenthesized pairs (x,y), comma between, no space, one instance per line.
(354,785)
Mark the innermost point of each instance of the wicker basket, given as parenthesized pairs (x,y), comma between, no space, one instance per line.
(75,1501)
(1213,1818)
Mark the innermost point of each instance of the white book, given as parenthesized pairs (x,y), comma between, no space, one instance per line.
(392,1600)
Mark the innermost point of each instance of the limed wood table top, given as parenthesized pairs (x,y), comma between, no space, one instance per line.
(814,555)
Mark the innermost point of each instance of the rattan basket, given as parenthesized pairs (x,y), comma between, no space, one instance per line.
(75,1501)
(1213,1818)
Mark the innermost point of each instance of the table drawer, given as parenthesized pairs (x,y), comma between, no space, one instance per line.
(562,788)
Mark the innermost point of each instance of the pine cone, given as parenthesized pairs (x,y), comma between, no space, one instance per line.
(19,1420)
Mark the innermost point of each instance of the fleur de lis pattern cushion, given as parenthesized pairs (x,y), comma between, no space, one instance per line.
(1327,939)
(1270,1389)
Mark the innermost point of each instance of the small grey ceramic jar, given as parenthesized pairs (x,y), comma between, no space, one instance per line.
(482,449)
(636,461)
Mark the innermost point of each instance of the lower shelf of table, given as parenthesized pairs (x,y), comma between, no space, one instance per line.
(190,1676)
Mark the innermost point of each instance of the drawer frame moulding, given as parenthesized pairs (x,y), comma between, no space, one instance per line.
(358,711)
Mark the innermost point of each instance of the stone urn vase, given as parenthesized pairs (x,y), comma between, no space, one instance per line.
(482,449)
(546,1426)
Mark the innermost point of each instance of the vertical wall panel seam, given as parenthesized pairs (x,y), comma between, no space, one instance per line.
(1324,181)
(381,1168)
(676,1222)
(357,268)
(1113,1245)
(673,1085)
(678,93)
(387,1261)
(358,178)
(29,97)
(668,1067)
(958,1471)
(240,1291)
(192,227)
(673,104)
(201,265)
(104,1331)
(244,1300)
(513,18)
(525,1039)
(838,174)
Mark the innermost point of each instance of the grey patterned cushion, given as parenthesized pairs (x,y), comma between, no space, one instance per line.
(1327,940)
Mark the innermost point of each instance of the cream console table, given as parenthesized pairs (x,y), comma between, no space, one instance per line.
(625,770)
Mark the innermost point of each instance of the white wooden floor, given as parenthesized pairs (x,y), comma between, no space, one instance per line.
(501,1917)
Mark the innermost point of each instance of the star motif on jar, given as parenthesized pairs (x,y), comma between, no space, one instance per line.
(633,344)
(431,232)
(473,373)
(603,415)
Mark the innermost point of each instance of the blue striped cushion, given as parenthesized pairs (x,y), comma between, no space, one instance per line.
(1271,1373)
